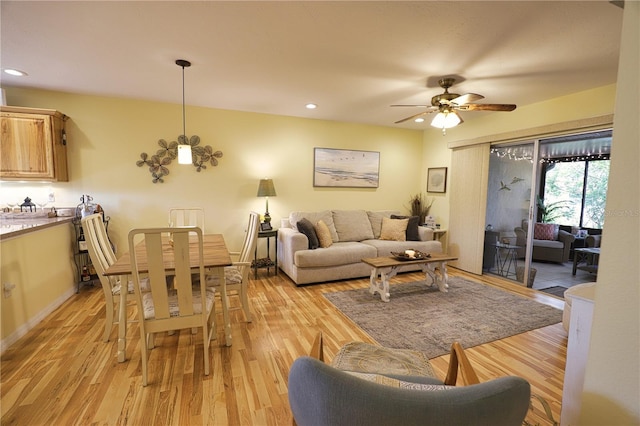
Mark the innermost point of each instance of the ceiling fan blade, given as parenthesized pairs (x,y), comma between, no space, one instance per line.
(412,117)
(466,98)
(486,107)
(423,106)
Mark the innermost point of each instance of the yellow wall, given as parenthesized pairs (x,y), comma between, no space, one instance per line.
(107,135)
(41,267)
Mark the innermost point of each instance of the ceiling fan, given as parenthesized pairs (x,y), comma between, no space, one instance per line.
(447,104)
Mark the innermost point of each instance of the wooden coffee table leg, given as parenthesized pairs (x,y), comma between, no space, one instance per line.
(381,286)
(445,276)
(430,270)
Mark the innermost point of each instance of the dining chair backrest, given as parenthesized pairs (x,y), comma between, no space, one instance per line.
(181,306)
(153,265)
(102,256)
(98,244)
(250,238)
(191,216)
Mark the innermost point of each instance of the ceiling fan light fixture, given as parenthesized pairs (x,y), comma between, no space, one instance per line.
(446,120)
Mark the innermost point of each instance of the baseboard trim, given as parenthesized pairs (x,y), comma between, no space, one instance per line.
(35,320)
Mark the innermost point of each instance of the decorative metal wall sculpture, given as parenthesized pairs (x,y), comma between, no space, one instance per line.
(168,152)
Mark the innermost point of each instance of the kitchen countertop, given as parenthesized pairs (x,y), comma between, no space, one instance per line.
(16,224)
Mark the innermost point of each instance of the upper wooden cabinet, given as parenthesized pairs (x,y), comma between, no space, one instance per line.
(34,145)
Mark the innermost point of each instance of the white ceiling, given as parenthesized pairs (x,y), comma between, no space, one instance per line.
(353,59)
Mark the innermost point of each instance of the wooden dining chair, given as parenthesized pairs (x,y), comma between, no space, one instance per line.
(190,216)
(237,275)
(184,306)
(102,256)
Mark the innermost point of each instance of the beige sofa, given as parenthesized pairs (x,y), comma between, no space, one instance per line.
(354,234)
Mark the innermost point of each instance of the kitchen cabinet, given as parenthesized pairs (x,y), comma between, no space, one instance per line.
(33,144)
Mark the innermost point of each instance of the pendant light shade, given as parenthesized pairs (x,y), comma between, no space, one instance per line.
(184,150)
(184,154)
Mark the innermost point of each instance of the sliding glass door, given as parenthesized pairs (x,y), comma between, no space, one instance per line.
(543,198)
(509,208)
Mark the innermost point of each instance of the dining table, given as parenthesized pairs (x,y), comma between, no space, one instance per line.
(216,257)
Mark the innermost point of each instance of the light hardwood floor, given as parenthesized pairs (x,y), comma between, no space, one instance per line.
(62,372)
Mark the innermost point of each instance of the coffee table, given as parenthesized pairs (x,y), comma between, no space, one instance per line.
(388,266)
(586,259)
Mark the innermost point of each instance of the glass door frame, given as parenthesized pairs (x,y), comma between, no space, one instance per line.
(532,207)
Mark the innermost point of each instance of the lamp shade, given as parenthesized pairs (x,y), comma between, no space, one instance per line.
(266,188)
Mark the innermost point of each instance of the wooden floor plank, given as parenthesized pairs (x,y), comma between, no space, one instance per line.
(62,372)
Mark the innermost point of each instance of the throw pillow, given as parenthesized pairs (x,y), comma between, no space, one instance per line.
(394,229)
(324,234)
(352,225)
(544,231)
(375,217)
(412,227)
(306,227)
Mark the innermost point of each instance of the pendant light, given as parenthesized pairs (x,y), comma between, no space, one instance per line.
(184,148)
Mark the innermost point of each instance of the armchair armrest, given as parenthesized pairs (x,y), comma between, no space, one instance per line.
(593,240)
(567,238)
(458,359)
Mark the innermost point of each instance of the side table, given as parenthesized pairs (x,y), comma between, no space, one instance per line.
(506,257)
(266,262)
(441,235)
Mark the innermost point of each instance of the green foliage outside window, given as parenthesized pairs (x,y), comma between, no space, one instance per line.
(565,193)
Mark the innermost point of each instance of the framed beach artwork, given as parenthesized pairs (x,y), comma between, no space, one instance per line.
(437,179)
(345,168)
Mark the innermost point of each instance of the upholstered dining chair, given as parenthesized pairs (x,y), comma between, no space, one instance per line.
(322,394)
(190,216)
(237,275)
(180,307)
(102,256)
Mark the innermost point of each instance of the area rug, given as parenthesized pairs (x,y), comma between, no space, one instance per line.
(556,291)
(422,318)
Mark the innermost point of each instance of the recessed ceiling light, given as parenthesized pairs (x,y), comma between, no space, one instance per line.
(419,120)
(311,106)
(15,72)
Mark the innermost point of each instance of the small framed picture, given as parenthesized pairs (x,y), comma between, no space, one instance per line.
(437,179)
(265,226)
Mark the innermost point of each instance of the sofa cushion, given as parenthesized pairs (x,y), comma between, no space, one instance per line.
(412,227)
(323,233)
(341,253)
(314,217)
(352,225)
(307,228)
(553,244)
(545,231)
(394,229)
(375,218)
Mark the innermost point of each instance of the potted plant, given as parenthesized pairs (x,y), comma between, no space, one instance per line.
(419,206)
